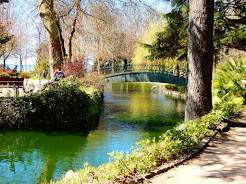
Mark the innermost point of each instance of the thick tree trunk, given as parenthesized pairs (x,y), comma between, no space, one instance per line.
(52,27)
(200,59)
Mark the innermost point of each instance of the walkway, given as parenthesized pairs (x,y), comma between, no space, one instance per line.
(223,162)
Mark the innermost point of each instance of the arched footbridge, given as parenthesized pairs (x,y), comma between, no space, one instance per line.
(144,73)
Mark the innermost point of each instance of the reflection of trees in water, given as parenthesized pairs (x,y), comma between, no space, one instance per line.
(139,106)
(40,153)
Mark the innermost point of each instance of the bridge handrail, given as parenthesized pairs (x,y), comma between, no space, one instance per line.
(142,68)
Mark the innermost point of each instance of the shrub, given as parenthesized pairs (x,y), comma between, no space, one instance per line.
(64,105)
(76,67)
(42,66)
(5,74)
(228,79)
(25,75)
(174,87)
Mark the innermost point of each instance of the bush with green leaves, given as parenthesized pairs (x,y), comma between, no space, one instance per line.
(25,75)
(228,80)
(174,87)
(5,74)
(63,105)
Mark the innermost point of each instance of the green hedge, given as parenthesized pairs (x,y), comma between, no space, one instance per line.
(64,105)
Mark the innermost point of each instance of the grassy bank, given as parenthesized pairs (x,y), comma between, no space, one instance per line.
(175,88)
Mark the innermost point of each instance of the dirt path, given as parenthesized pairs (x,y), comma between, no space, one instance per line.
(222,162)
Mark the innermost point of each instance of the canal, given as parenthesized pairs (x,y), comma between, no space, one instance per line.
(131,112)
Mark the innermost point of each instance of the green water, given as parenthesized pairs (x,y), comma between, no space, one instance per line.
(130,113)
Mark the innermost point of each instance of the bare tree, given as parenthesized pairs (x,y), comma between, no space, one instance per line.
(7,23)
(103,26)
(54,34)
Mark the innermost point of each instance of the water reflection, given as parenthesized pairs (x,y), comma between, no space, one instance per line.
(131,112)
(32,157)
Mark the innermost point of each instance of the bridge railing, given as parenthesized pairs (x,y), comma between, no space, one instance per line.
(142,68)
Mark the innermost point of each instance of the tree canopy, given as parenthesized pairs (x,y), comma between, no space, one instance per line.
(229,29)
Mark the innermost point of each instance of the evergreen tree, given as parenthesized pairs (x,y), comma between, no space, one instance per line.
(229,29)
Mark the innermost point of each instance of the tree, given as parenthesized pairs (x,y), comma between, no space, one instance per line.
(229,29)
(54,34)
(148,38)
(230,24)
(3,38)
(200,59)
(7,41)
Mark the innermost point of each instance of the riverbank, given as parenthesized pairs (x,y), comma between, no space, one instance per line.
(174,94)
(223,161)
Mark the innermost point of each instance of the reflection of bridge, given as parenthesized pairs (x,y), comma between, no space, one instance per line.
(143,73)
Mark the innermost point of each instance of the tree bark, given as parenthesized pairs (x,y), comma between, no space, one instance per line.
(200,59)
(53,31)
(73,30)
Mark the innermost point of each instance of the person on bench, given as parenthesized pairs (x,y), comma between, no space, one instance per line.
(58,75)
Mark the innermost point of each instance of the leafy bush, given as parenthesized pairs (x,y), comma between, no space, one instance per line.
(5,74)
(76,67)
(25,75)
(174,87)
(42,67)
(228,80)
(63,105)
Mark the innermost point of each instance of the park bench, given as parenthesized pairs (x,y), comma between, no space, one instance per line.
(8,82)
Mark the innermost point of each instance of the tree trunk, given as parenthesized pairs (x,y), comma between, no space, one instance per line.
(200,59)
(53,30)
(73,30)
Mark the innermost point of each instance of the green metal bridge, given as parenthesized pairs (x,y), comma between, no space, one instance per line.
(143,73)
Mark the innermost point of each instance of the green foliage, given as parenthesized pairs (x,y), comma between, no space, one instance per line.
(148,37)
(228,80)
(172,41)
(229,24)
(64,105)
(25,75)
(42,67)
(229,30)
(5,74)
(174,87)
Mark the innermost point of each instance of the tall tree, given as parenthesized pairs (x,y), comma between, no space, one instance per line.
(3,38)
(229,29)
(200,59)
(7,40)
(53,30)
